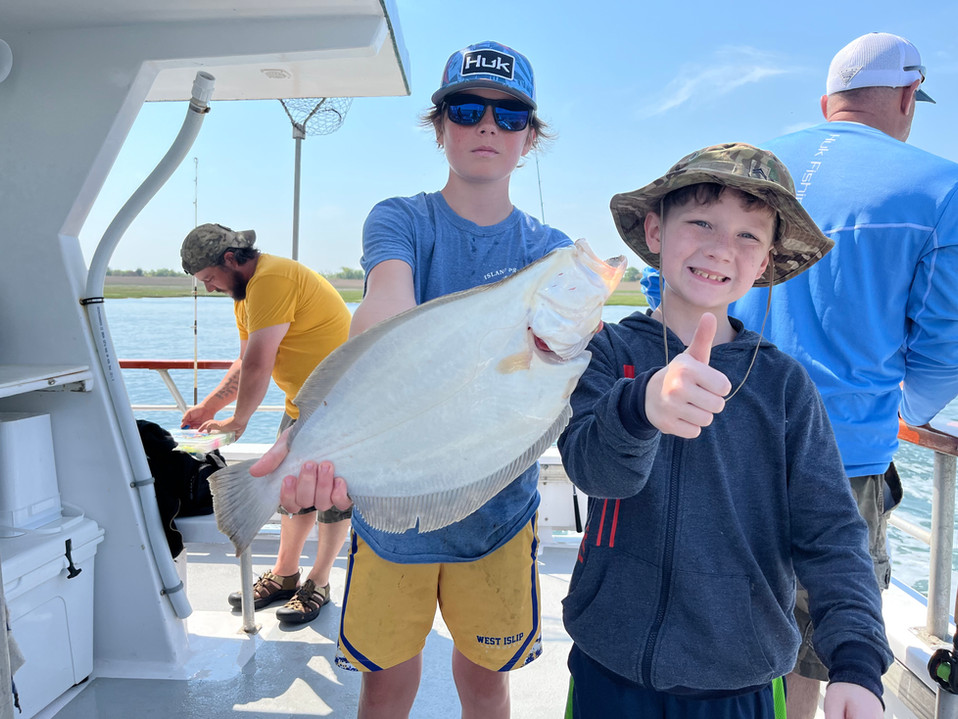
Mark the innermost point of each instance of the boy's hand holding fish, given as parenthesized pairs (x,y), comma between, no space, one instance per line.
(317,487)
(683,396)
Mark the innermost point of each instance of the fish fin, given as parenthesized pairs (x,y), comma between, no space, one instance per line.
(242,503)
(440,509)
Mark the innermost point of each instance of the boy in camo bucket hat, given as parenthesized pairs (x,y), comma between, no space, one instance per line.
(798,243)
(705,509)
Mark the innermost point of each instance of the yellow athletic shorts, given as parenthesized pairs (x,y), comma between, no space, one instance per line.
(491,607)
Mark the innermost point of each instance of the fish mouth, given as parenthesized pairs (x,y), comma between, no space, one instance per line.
(543,350)
(549,355)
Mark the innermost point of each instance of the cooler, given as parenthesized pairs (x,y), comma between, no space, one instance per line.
(49,593)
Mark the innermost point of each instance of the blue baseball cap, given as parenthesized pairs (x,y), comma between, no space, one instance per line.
(489,65)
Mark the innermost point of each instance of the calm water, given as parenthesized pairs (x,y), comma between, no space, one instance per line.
(163,329)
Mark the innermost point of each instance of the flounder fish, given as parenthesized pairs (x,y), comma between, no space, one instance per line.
(430,413)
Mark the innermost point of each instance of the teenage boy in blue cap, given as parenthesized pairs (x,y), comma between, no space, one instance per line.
(706,501)
(482,569)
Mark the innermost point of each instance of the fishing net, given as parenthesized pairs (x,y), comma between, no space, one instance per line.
(311,116)
(316,115)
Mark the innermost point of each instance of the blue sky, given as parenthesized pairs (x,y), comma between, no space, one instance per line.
(628,87)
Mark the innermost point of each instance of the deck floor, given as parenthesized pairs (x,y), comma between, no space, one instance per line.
(288,672)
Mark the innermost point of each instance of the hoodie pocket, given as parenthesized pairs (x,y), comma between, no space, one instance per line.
(715,634)
(610,608)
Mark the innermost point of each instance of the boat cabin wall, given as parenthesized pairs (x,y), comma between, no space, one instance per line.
(80,75)
(65,109)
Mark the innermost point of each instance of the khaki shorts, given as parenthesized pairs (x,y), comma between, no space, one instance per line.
(870,492)
(389,608)
(331,515)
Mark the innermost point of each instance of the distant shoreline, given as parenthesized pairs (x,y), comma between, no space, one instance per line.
(126,286)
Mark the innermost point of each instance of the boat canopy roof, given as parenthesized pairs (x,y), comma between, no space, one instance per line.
(256,50)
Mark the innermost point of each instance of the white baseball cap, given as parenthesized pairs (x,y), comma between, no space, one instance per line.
(878,59)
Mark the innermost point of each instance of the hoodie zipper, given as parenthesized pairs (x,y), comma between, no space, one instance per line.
(668,556)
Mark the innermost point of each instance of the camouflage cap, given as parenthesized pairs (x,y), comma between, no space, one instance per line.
(798,244)
(205,245)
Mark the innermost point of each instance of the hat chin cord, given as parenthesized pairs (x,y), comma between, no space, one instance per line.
(761,333)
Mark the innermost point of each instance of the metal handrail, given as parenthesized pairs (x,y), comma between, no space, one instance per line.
(944,442)
(162,368)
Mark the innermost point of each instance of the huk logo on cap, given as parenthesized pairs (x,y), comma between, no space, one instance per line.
(488,62)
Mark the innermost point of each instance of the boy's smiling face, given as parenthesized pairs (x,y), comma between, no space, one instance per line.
(710,254)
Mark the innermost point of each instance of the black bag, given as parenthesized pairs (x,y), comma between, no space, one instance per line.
(182,486)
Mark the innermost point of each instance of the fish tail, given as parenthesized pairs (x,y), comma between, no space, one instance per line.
(243,503)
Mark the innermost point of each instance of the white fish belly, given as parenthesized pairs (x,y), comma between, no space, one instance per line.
(451,401)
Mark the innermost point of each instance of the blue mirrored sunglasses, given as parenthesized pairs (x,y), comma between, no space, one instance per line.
(510,115)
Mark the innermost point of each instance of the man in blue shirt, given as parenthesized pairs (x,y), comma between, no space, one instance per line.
(876,322)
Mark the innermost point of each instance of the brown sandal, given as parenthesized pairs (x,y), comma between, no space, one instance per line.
(305,604)
(269,588)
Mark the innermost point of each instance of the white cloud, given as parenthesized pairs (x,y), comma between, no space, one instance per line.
(730,69)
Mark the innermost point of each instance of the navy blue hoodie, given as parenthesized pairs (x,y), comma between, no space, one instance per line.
(685,581)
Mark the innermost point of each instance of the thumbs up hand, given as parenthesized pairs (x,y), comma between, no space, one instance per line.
(683,396)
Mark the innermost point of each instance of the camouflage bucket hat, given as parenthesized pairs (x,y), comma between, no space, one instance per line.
(798,243)
(205,245)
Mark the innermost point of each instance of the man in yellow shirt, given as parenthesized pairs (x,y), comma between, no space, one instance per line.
(289,318)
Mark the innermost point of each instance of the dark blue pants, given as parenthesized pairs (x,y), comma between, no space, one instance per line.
(600,694)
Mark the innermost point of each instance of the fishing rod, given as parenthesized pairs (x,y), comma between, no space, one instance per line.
(196,355)
(542,209)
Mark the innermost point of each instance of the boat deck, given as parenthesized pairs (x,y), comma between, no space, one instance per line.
(288,671)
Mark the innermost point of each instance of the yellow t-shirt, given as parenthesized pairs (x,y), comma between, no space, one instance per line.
(283,290)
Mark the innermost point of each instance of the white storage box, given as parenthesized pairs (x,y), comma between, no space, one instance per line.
(29,493)
(559,499)
(51,614)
